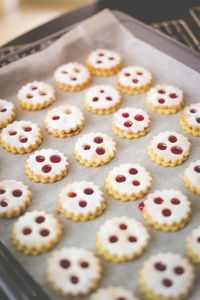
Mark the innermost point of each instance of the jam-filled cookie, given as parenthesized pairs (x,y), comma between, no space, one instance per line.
(7,112)
(73,272)
(102,99)
(128,182)
(131,122)
(104,62)
(169,148)
(166,276)
(113,293)
(192,177)
(21,137)
(165,99)
(168,210)
(193,245)
(190,119)
(36,95)
(72,77)
(36,232)
(64,121)
(95,149)
(46,165)
(134,80)
(122,239)
(81,201)
(14,198)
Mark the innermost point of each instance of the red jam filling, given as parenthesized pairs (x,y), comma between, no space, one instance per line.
(3,109)
(172,139)
(29,96)
(176,150)
(160,266)
(55,158)
(65,263)
(166,212)
(135,80)
(135,183)
(167,282)
(158,200)
(34,88)
(161,91)
(125,115)
(84,264)
(162,146)
(141,206)
(82,203)
(27,129)
(113,239)
(197,169)
(133,171)
(2,191)
(95,99)
(73,78)
(111,58)
(198,120)
(55,118)
(98,140)
(99,61)
(120,178)
(175,201)
(74,279)
(123,226)
(161,101)
(86,147)
(121,298)
(44,232)
(179,270)
(17,193)
(40,219)
(198,239)
(71,195)
(109,98)
(193,110)
(139,118)
(101,54)
(100,151)
(88,191)
(132,239)
(173,95)
(3,203)
(23,139)
(40,158)
(101,91)
(27,231)
(127,74)
(13,132)
(46,168)
(128,124)
(139,73)
(64,72)
(42,93)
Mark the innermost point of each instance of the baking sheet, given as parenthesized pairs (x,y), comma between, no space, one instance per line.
(102,30)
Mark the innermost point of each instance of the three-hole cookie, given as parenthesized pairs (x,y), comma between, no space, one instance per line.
(192,177)
(190,119)
(193,245)
(113,293)
(7,112)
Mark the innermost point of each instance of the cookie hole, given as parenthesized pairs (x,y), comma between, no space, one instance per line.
(139,73)
(162,146)
(128,124)
(99,62)
(73,78)
(84,264)
(127,74)
(55,158)
(167,282)
(17,193)
(198,239)
(71,194)
(135,80)
(121,298)
(12,132)
(109,98)
(132,239)
(101,91)
(139,118)
(172,139)
(27,129)
(42,93)
(197,169)
(160,266)
(40,158)
(82,203)
(27,231)
(141,205)
(74,279)
(193,110)
(113,239)
(2,191)
(88,191)
(158,200)
(98,140)
(55,118)
(175,201)
(64,72)
(100,151)
(179,270)
(161,91)
(29,96)
(68,112)
(86,147)
(34,88)
(3,109)
(23,139)
(3,203)
(44,232)
(125,115)
(133,171)
(46,168)
(101,54)
(135,183)
(95,99)
(166,212)
(173,95)
(176,150)
(111,58)
(161,101)
(40,219)
(120,178)
(65,263)
(198,120)
(123,226)
(76,70)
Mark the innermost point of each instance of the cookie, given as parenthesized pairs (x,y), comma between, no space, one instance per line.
(95,149)
(73,272)
(134,80)
(169,148)
(166,276)
(102,99)
(46,165)
(104,62)
(122,239)
(21,137)
(113,293)
(7,112)
(36,95)
(191,177)
(14,198)
(64,121)
(131,122)
(165,99)
(190,119)
(36,232)
(168,210)
(72,77)
(128,182)
(193,245)
(81,201)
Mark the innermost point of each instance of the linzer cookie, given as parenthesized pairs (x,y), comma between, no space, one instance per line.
(73,272)
(192,177)
(167,210)
(36,95)
(122,239)
(190,119)
(169,148)
(102,99)
(193,245)
(72,77)
(134,80)
(64,121)
(166,276)
(128,182)
(14,198)
(113,293)
(7,112)
(104,62)
(94,149)
(165,99)
(131,122)
(21,137)
(46,165)
(81,201)
(36,232)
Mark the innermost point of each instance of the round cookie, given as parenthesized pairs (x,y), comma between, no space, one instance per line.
(36,95)
(73,272)
(72,77)
(14,198)
(94,149)
(165,99)
(134,80)
(122,239)
(166,276)
(113,293)
(128,182)
(193,245)
(104,62)
(169,148)
(46,165)
(191,177)
(190,119)
(7,112)
(81,201)
(36,232)
(64,121)
(168,210)
(102,99)
(21,137)
(131,122)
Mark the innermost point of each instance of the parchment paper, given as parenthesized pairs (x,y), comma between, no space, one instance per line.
(102,30)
